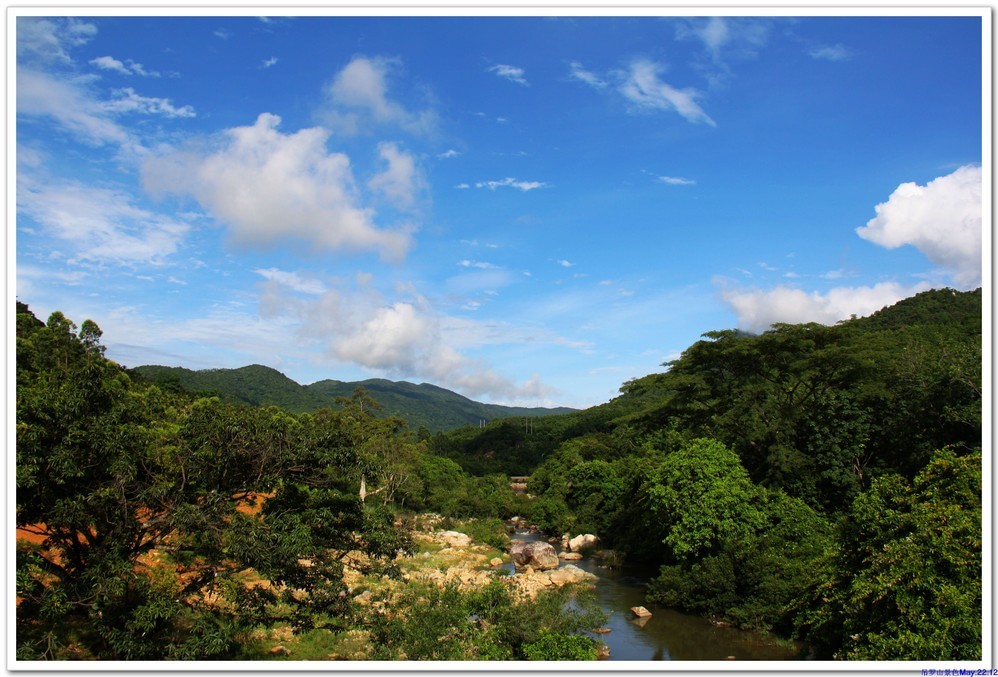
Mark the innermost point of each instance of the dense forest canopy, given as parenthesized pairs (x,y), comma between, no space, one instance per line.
(822,483)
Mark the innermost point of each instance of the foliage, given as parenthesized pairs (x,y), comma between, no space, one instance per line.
(552,647)
(904,582)
(484,624)
(141,508)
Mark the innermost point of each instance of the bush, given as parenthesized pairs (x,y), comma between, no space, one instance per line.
(558,647)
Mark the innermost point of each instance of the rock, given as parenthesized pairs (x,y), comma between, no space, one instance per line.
(535,554)
(582,541)
(640,612)
(455,539)
(564,541)
(570,556)
(363,598)
(495,562)
(280,651)
(601,631)
(569,574)
(602,652)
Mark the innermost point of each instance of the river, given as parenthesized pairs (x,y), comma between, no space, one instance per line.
(668,635)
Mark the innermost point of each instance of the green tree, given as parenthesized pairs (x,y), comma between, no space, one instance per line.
(904,582)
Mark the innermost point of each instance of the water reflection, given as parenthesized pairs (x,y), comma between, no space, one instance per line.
(667,635)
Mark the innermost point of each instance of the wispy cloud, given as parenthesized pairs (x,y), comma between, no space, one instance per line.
(644,89)
(836,52)
(267,63)
(509,182)
(109,63)
(677,181)
(128,101)
(448,154)
(484,265)
(511,73)
(100,225)
(577,72)
(294,281)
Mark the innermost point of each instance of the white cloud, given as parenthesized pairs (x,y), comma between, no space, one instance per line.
(359,97)
(579,73)
(401,338)
(267,63)
(269,187)
(677,181)
(103,225)
(511,73)
(48,39)
(565,263)
(109,63)
(292,281)
(223,34)
(836,52)
(448,154)
(726,36)
(758,310)
(128,101)
(401,180)
(70,104)
(484,265)
(942,219)
(642,87)
(509,182)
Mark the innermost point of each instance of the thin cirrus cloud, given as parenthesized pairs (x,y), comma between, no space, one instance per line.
(643,89)
(109,63)
(836,52)
(267,186)
(511,73)
(510,182)
(677,181)
(100,225)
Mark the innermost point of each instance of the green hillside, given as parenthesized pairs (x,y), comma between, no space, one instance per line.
(423,405)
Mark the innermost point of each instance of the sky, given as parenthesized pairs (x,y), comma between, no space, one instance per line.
(524,209)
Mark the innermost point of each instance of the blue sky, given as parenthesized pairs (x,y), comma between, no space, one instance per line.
(527,210)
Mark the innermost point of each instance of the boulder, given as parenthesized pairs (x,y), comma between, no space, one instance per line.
(495,562)
(535,554)
(570,556)
(640,611)
(455,539)
(582,541)
(569,574)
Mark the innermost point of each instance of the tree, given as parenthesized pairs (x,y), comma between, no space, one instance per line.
(146,538)
(904,582)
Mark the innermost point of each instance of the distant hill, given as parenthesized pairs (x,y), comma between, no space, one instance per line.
(438,409)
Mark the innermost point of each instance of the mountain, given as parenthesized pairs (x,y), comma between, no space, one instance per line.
(437,409)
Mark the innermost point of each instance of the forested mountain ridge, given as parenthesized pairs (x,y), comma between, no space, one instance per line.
(423,405)
(819,481)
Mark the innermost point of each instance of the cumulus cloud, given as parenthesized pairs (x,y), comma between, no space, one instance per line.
(511,73)
(942,219)
(102,225)
(644,89)
(400,338)
(359,98)
(758,310)
(269,187)
(401,181)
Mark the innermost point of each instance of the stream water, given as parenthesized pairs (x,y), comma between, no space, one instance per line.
(667,635)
